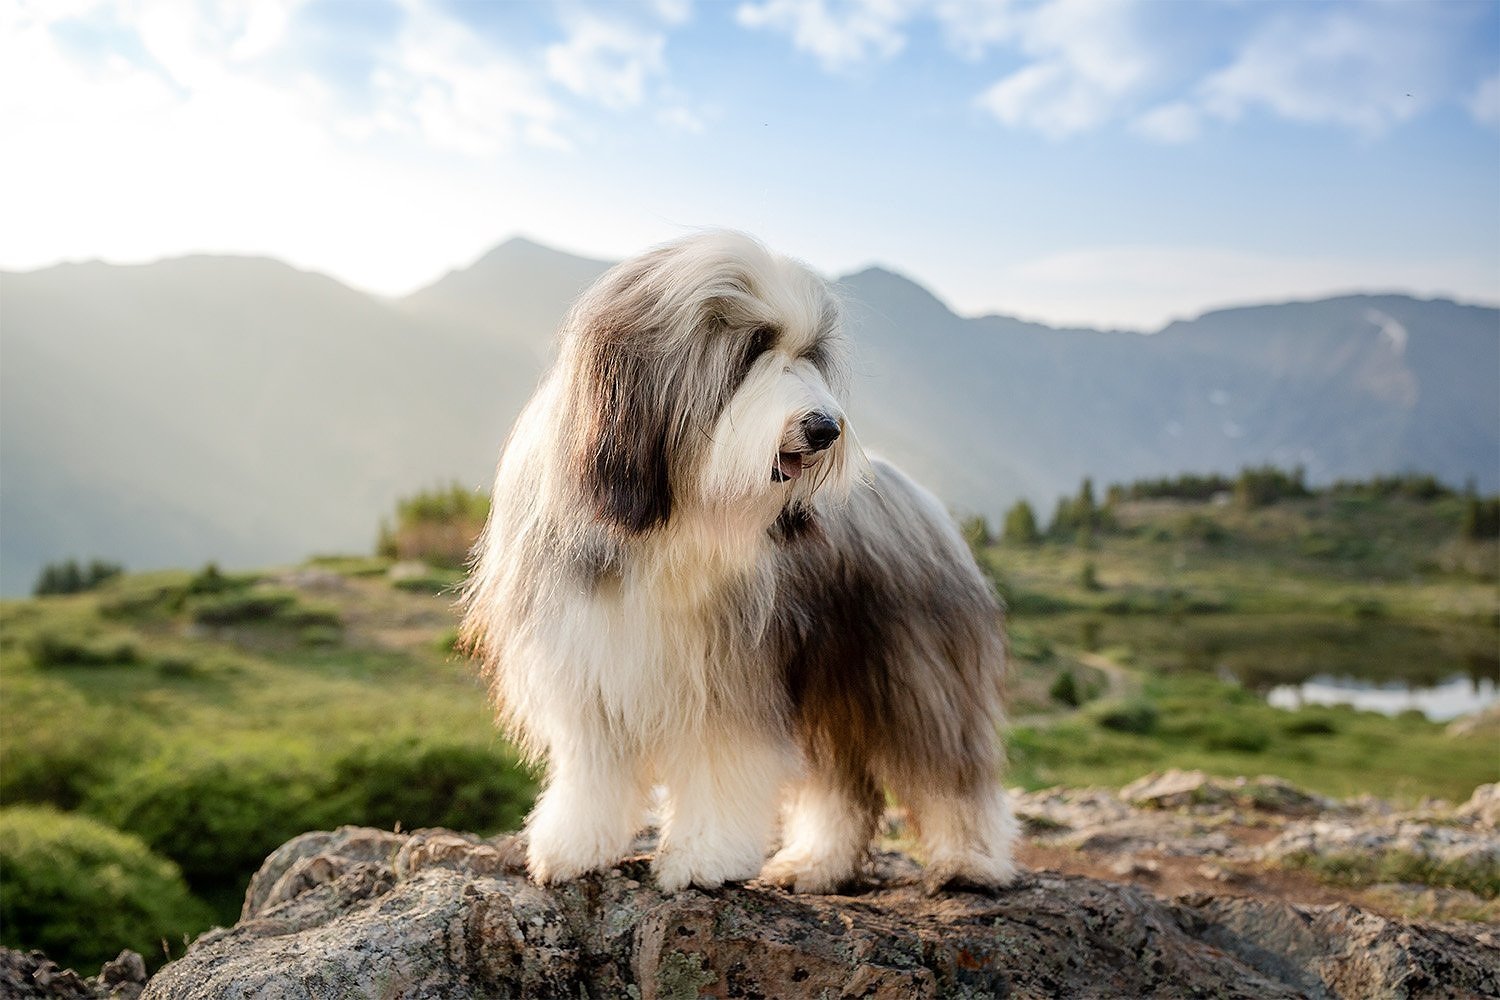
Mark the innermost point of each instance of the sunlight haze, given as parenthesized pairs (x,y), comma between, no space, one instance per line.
(1116,164)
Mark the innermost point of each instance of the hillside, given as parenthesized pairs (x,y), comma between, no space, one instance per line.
(185,723)
(240,410)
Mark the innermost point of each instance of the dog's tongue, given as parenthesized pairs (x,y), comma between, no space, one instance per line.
(789,465)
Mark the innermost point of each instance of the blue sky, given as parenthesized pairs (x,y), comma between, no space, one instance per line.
(1115,163)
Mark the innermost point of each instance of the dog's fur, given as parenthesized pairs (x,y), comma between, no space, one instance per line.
(680,586)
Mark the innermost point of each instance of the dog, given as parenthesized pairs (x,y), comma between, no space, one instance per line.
(692,579)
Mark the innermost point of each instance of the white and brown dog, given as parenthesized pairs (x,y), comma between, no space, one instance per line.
(692,578)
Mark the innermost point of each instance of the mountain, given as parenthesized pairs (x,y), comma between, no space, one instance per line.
(240,410)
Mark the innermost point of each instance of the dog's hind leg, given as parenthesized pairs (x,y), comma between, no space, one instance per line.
(830,818)
(720,808)
(966,834)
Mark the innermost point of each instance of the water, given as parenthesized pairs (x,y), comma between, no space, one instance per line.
(1457,695)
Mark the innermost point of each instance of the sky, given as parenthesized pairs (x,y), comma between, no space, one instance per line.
(1116,163)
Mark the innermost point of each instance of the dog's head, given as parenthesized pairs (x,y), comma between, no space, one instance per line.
(706,374)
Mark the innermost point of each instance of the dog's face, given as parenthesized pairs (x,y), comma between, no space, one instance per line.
(706,374)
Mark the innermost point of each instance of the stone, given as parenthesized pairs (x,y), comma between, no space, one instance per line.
(365,913)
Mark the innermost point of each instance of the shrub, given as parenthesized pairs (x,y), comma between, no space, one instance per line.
(242,607)
(1238,735)
(1135,716)
(71,578)
(1310,724)
(54,746)
(976,532)
(216,817)
(210,581)
(58,648)
(429,784)
(1020,524)
(1264,485)
(81,891)
(436,526)
(1065,689)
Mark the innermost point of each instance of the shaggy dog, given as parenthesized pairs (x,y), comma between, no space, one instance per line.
(692,578)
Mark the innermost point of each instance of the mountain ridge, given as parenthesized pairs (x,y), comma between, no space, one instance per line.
(238,408)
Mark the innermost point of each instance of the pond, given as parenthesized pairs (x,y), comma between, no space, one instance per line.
(1444,669)
(1457,695)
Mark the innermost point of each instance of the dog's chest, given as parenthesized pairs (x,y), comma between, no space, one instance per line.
(664,651)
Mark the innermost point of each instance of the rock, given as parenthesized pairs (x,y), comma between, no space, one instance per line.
(1483,807)
(1344,951)
(441,914)
(1095,820)
(1390,845)
(1195,790)
(33,976)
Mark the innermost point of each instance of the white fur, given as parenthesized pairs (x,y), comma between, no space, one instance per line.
(652,671)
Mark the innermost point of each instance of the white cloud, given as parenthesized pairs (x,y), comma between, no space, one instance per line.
(1178,121)
(673,11)
(606,62)
(447,85)
(1086,63)
(1484,104)
(1367,68)
(682,120)
(840,35)
(1089,60)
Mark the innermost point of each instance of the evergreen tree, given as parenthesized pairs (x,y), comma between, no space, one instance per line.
(1020,524)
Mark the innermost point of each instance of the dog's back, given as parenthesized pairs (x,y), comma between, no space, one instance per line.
(892,640)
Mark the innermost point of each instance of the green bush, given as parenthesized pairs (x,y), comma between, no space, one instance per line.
(81,891)
(1238,735)
(54,746)
(217,817)
(1307,723)
(63,648)
(1066,690)
(72,578)
(1134,716)
(429,784)
(1020,524)
(243,607)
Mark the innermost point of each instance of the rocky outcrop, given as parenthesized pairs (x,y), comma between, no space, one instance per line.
(33,976)
(366,913)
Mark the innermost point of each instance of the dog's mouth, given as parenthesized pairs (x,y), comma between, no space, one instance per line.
(790,465)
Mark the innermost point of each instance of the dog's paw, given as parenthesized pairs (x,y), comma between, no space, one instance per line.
(806,873)
(549,865)
(676,869)
(968,873)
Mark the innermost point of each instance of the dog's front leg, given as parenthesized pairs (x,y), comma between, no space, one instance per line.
(720,808)
(589,811)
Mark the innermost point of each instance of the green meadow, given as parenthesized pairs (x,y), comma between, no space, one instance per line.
(164,731)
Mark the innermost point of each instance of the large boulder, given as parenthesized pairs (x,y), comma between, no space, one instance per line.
(366,913)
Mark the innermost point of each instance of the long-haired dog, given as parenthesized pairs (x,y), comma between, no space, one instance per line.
(692,578)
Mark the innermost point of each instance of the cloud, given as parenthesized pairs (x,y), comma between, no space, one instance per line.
(606,62)
(443,82)
(1167,70)
(840,35)
(1484,104)
(1366,68)
(1089,58)
(1178,121)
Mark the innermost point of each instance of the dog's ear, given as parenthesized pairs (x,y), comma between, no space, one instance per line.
(622,452)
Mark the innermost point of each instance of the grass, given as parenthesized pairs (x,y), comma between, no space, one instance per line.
(207,716)
(1361,870)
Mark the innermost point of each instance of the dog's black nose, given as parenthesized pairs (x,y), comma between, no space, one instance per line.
(821,430)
